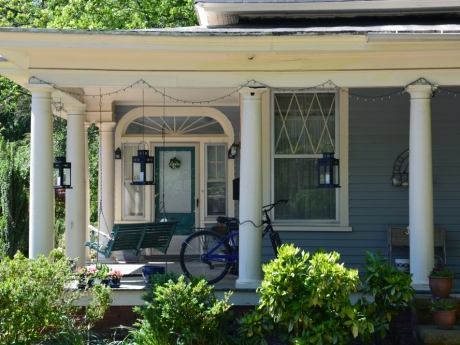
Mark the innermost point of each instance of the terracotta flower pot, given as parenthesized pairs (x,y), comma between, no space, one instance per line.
(445,319)
(440,286)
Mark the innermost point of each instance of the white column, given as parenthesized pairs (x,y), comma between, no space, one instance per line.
(106,178)
(87,192)
(75,198)
(250,241)
(41,226)
(421,223)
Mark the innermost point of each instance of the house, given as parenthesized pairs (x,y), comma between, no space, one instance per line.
(284,82)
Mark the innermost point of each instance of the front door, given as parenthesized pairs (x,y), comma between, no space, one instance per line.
(175,186)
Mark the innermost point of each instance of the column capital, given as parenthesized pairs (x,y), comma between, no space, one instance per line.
(252,92)
(421,90)
(36,89)
(106,126)
(75,109)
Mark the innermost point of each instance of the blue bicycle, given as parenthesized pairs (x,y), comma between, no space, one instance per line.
(209,254)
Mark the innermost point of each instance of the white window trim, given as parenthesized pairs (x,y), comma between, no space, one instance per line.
(342,220)
(206,216)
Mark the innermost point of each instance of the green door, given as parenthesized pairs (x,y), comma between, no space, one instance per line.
(175,186)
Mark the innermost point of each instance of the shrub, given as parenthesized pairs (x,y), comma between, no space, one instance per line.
(391,291)
(307,300)
(181,312)
(37,299)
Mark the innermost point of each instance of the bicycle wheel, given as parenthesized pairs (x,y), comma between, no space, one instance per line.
(195,247)
(276,241)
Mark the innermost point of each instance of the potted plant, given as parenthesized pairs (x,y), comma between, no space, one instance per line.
(115,278)
(440,280)
(81,274)
(102,274)
(91,274)
(444,313)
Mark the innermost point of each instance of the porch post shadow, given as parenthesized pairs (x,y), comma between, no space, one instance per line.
(421,218)
(250,248)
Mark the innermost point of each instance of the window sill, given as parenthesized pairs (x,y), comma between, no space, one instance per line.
(307,227)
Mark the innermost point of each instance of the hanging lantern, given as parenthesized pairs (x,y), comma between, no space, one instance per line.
(143,168)
(62,173)
(328,171)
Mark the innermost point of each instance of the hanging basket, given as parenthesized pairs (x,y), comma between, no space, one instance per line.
(174,163)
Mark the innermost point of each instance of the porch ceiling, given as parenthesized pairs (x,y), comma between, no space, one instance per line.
(196,58)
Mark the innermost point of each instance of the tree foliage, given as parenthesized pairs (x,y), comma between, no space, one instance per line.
(97,14)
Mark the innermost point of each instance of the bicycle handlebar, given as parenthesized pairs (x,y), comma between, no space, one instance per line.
(281,201)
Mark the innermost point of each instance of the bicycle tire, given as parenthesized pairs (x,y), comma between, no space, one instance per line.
(191,253)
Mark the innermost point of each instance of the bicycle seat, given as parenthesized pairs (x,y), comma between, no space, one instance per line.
(226,219)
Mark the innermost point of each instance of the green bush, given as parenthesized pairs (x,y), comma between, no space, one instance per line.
(391,291)
(37,299)
(181,312)
(306,300)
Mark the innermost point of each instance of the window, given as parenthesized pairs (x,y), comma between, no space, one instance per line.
(216,180)
(305,125)
(133,196)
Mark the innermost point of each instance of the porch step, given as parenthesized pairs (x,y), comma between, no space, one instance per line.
(431,335)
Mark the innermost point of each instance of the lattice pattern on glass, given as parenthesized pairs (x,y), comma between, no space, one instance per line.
(304,122)
(175,125)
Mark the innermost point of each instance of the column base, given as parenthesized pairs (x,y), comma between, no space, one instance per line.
(421,286)
(247,283)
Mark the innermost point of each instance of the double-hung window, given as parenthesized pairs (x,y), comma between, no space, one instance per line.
(305,124)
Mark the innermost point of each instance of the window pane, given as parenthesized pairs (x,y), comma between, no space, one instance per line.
(216,190)
(304,123)
(216,198)
(296,180)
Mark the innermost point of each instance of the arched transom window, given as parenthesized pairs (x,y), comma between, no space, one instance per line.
(175,125)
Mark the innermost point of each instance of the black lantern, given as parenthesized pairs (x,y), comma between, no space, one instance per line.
(143,168)
(232,151)
(118,153)
(62,171)
(328,171)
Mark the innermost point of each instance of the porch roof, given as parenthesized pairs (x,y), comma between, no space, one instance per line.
(443,31)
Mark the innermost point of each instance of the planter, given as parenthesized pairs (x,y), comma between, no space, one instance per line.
(149,271)
(402,265)
(440,286)
(445,319)
(115,282)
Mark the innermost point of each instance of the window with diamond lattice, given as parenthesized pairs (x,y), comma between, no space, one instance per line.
(305,124)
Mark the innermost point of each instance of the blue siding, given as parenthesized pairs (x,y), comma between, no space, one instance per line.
(378,133)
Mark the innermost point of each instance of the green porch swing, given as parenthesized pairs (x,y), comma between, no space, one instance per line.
(133,237)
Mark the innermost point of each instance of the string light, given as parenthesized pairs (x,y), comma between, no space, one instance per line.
(329,83)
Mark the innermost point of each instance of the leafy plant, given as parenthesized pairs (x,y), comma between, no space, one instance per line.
(307,300)
(391,291)
(37,299)
(181,312)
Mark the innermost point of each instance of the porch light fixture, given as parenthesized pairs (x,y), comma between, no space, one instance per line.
(118,153)
(232,151)
(328,171)
(143,164)
(62,173)
(62,168)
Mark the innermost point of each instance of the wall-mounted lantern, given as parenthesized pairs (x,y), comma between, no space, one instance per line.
(328,171)
(232,151)
(118,153)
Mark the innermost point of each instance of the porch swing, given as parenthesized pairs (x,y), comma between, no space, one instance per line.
(133,237)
